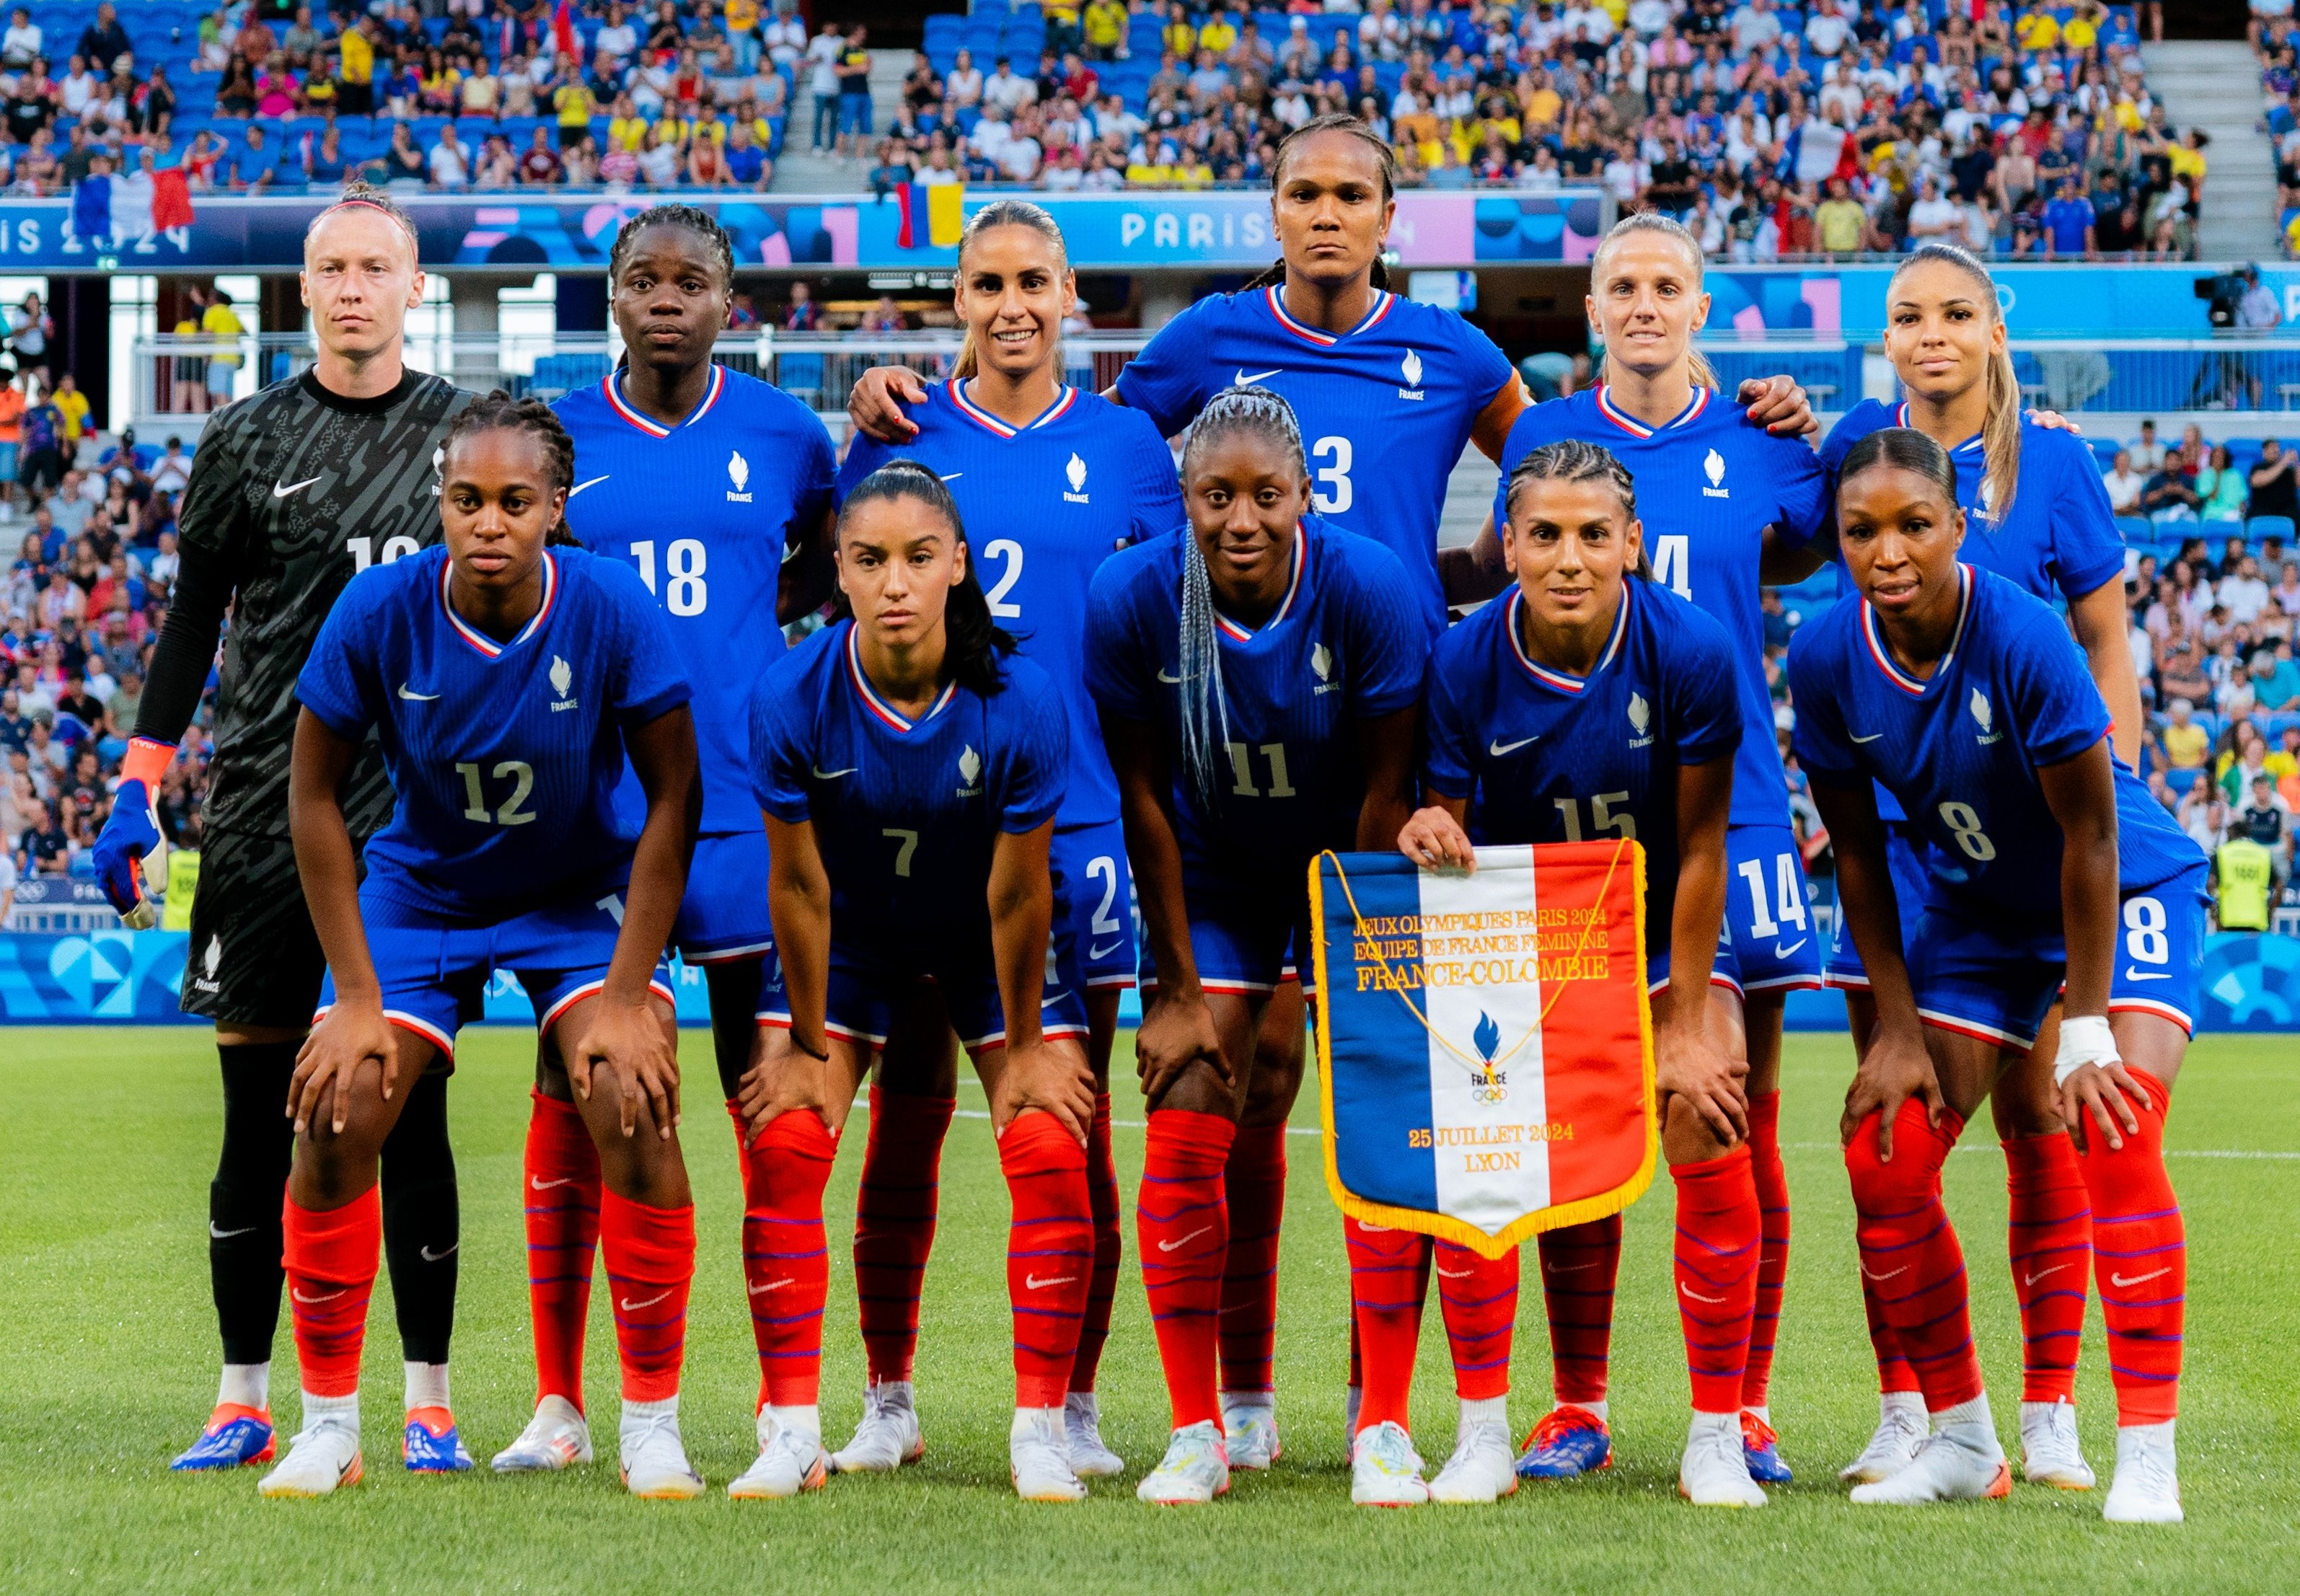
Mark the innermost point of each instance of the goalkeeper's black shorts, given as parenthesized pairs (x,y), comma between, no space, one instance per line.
(254,959)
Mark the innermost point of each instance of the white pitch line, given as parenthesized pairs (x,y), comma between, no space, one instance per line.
(1291,1130)
(2170,1152)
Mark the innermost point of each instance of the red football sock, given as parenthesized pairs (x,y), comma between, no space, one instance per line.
(330,1255)
(1719,1236)
(895,1212)
(1181,1228)
(650,1254)
(1894,1374)
(1254,1182)
(1389,1281)
(1909,1250)
(786,1259)
(1102,1198)
(1773,1251)
(2051,1237)
(2141,1255)
(1579,1264)
(1477,1299)
(561,1170)
(1049,1253)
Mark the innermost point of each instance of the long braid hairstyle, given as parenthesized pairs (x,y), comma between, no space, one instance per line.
(498,411)
(974,644)
(1571,460)
(2000,430)
(1331,122)
(1257,413)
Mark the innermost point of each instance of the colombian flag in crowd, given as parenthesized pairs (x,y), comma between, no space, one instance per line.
(933,215)
(1484,1041)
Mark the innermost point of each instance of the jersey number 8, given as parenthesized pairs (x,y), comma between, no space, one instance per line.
(684,562)
(1965,825)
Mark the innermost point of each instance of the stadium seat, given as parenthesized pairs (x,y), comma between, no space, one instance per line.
(2269,526)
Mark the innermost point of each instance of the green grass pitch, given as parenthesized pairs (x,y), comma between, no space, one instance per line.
(107,1355)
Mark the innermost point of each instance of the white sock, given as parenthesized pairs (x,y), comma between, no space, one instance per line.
(1763,1414)
(1034,1421)
(1267,1401)
(1720,1422)
(1901,1404)
(805,1421)
(2160,1433)
(342,1411)
(1601,1407)
(246,1385)
(1974,1412)
(900,1393)
(427,1385)
(1494,1410)
(635,1410)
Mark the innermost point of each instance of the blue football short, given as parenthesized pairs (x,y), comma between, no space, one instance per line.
(1095,898)
(867,986)
(1245,941)
(723,916)
(1766,943)
(1909,884)
(434,971)
(1978,973)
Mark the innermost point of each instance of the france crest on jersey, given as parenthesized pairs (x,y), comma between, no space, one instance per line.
(1544,756)
(905,812)
(1961,748)
(1045,504)
(1709,482)
(2059,536)
(705,512)
(505,757)
(1385,409)
(1344,645)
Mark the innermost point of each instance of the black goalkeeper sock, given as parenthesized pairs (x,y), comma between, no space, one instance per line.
(421,1224)
(244,1200)
(734,1016)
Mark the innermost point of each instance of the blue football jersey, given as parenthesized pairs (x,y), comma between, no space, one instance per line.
(1544,756)
(1709,483)
(704,511)
(1346,644)
(1385,408)
(503,757)
(1961,749)
(2060,537)
(905,812)
(1045,505)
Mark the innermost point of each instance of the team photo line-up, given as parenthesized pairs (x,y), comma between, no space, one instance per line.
(1070,692)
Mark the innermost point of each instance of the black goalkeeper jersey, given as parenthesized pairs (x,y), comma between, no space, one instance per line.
(295,490)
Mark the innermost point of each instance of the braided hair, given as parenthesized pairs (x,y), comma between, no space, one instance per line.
(973,643)
(1572,460)
(688,218)
(498,411)
(1333,122)
(1256,413)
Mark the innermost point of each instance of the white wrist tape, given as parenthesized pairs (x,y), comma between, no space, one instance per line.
(2085,1039)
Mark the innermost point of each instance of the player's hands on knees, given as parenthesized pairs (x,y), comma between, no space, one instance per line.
(629,1038)
(1176,1032)
(2094,1097)
(1897,1070)
(1715,1083)
(1778,406)
(1046,1075)
(1434,840)
(876,402)
(783,1076)
(351,1033)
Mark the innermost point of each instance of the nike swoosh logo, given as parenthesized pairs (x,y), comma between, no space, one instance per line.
(1902,1270)
(1457,1274)
(580,486)
(1032,1282)
(1872,738)
(225,1235)
(2137,1279)
(2041,1273)
(631,1307)
(300,1297)
(544,1186)
(415,697)
(280,490)
(1695,1295)
(2131,973)
(1168,677)
(430,1257)
(1782,953)
(1186,1240)
(1246,380)
(1496,748)
(822,775)
(1566,1269)
(1099,952)
(772,1285)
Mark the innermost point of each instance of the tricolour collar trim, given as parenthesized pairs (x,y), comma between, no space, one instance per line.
(1635,428)
(1383,301)
(974,413)
(613,388)
(1971,445)
(1549,676)
(1236,633)
(486,645)
(888,715)
(1883,658)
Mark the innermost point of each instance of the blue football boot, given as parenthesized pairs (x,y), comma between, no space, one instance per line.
(431,1445)
(235,1435)
(1762,1448)
(1568,1441)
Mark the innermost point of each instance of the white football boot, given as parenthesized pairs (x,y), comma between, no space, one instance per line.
(325,1453)
(1195,1470)
(887,1437)
(1090,1457)
(1038,1449)
(2049,1452)
(557,1437)
(1714,1472)
(1250,1428)
(1483,1468)
(652,1458)
(1901,1429)
(1960,1461)
(2146,1485)
(791,1460)
(1385,1470)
